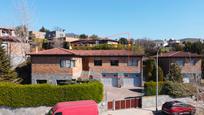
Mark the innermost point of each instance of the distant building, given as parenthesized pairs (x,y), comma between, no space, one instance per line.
(93,42)
(7,32)
(15,49)
(160,43)
(33,34)
(55,34)
(71,39)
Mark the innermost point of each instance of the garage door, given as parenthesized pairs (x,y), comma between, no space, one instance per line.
(110,79)
(131,80)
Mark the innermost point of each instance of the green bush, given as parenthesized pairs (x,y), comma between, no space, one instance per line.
(15,95)
(150,88)
(176,89)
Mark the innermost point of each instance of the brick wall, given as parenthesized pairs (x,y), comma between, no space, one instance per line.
(187,68)
(107,68)
(45,66)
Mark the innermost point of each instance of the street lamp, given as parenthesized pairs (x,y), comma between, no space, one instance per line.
(157,80)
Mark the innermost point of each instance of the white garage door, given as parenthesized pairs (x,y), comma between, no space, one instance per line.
(131,80)
(110,79)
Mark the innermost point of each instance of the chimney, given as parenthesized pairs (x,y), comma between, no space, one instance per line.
(36,49)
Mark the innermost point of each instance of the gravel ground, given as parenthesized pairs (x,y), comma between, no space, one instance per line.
(24,111)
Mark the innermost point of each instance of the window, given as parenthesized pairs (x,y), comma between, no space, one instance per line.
(97,62)
(61,82)
(180,62)
(132,62)
(67,63)
(114,62)
(41,81)
(193,61)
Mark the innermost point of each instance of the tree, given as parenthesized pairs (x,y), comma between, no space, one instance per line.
(6,73)
(175,73)
(123,41)
(94,37)
(150,71)
(83,36)
(43,29)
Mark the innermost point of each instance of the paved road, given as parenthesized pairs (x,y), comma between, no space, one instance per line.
(133,111)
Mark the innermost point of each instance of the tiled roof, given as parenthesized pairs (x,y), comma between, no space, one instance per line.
(61,51)
(9,38)
(178,54)
(54,51)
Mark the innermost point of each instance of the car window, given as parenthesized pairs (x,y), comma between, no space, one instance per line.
(59,113)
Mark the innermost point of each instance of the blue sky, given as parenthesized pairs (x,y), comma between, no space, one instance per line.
(155,19)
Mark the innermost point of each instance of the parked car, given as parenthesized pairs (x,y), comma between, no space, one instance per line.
(84,107)
(178,108)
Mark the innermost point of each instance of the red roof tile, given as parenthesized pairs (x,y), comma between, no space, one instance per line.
(61,51)
(54,51)
(178,54)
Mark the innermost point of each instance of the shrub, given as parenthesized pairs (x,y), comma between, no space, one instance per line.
(176,89)
(150,88)
(15,95)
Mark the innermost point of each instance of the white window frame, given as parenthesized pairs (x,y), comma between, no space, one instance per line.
(67,63)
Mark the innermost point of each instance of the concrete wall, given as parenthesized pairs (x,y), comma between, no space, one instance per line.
(150,101)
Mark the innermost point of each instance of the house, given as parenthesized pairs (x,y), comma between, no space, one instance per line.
(160,43)
(7,32)
(15,49)
(33,34)
(89,42)
(190,64)
(55,34)
(115,68)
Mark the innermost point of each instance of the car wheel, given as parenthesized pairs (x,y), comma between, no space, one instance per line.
(176,114)
(192,113)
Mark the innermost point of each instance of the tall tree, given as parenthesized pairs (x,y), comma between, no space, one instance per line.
(43,29)
(6,73)
(123,41)
(175,73)
(83,36)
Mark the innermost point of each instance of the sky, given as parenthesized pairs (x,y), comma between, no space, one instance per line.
(153,19)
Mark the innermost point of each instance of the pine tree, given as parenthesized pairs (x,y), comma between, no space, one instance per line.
(175,73)
(6,73)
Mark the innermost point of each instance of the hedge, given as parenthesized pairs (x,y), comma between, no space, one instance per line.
(16,95)
(173,89)
(150,88)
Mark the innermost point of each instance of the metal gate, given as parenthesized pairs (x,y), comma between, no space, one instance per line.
(125,104)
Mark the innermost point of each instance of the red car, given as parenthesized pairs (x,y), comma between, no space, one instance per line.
(84,107)
(178,108)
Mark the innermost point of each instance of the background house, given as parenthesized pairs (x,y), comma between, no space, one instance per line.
(115,68)
(190,64)
(14,47)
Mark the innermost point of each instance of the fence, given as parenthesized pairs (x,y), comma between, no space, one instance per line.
(125,104)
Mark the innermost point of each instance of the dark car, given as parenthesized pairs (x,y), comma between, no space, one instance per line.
(178,108)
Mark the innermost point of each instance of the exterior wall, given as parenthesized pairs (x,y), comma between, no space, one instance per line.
(17,52)
(48,68)
(107,68)
(39,34)
(188,70)
(70,39)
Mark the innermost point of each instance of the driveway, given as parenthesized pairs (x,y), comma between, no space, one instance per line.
(133,111)
(122,93)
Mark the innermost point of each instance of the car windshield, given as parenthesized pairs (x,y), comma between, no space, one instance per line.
(50,112)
